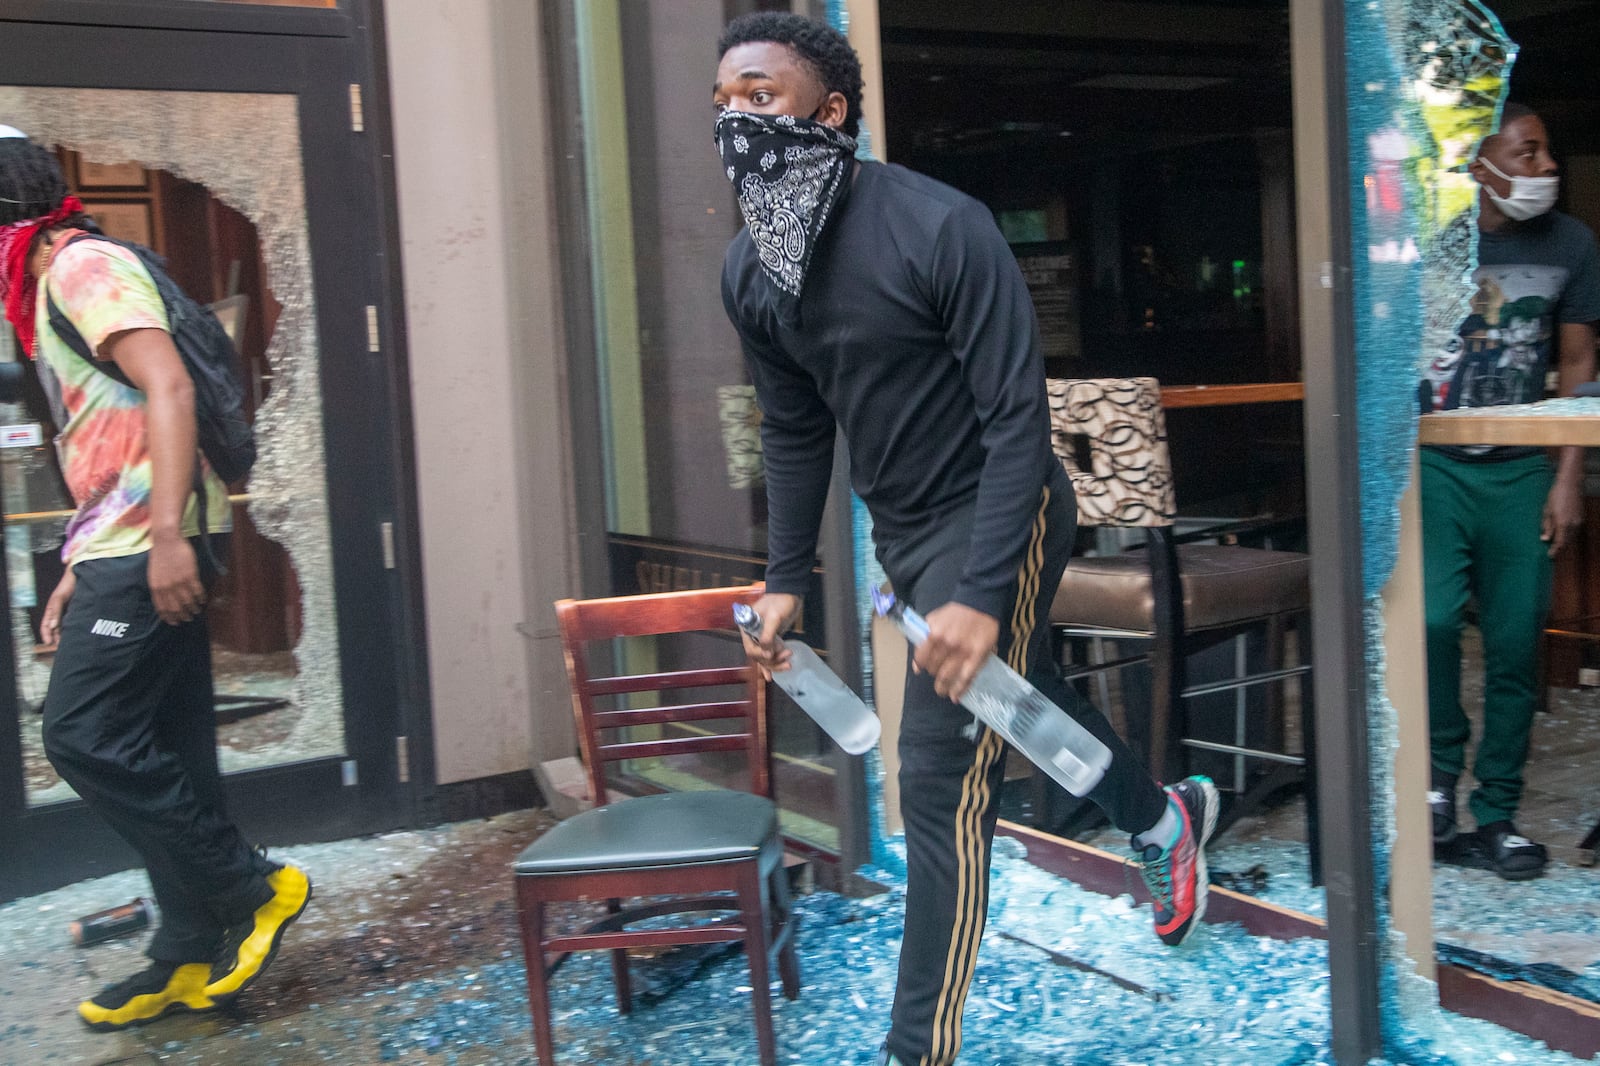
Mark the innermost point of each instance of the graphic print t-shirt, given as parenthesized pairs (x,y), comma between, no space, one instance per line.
(104,452)
(1531,278)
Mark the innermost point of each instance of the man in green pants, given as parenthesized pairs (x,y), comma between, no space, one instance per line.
(1494,517)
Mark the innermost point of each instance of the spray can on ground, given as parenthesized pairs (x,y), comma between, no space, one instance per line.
(1006,702)
(108,925)
(818,690)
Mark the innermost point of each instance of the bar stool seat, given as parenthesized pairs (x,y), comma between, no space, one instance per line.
(1176,599)
(1223,585)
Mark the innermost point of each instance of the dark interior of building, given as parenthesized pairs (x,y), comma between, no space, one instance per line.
(1148,144)
(1556,75)
(1139,156)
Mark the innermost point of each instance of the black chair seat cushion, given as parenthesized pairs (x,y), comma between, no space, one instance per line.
(672,829)
(1223,585)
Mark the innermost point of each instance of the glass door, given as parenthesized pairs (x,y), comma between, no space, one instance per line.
(235,157)
(676,433)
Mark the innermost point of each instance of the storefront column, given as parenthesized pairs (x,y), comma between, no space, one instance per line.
(1405,642)
(482,281)
(1333,492)
(867,40)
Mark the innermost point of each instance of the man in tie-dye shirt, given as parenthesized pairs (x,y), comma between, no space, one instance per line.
(129,720)
(104,444)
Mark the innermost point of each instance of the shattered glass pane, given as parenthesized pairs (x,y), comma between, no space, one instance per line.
(1457,61)
(1426,79)
(1425,82)
(1559,407)
(197,137)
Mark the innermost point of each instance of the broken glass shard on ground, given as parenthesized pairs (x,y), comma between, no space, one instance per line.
(409,953)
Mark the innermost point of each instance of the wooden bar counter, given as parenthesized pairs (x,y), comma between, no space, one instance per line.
(1176,396)
(1570,420)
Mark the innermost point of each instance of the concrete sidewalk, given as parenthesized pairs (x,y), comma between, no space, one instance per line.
(423,914)
(410,953)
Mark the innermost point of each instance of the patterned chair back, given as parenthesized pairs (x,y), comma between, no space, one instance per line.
(1129,480)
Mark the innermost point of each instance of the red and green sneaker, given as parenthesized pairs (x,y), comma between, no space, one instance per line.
(1176,874)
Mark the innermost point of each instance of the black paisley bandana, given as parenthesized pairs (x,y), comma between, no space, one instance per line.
(789,174)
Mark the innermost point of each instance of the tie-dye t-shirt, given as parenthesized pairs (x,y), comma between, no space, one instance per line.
(104,290)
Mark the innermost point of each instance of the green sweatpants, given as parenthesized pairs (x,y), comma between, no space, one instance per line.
(1480,537)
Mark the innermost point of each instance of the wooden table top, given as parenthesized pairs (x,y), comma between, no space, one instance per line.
(1227,395)
(1547,424)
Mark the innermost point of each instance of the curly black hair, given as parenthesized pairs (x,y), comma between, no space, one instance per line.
(821,47)
(1512,111)
(30,180)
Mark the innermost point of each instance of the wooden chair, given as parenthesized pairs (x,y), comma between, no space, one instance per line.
(1172,598)
(717,850)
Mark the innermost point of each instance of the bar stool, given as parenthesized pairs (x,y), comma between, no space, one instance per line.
(1173,598)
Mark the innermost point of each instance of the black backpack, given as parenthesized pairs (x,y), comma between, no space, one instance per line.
(224,432)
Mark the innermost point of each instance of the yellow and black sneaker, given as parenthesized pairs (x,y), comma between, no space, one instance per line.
(249,948)
(159,989)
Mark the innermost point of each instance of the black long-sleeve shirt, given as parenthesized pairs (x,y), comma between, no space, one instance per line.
(917,334)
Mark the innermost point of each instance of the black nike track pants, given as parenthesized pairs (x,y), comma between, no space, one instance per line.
(130,724)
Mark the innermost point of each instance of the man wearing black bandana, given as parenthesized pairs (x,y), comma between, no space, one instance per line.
(880,301)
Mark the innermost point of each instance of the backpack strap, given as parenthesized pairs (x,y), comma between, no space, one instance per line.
(69,333)
(204,520)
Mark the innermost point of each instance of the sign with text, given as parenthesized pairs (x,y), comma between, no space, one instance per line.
(646,565)
(1051,273)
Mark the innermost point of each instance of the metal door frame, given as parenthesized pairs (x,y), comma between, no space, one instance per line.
(316,55)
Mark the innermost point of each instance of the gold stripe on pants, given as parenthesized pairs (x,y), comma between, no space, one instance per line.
(971,871)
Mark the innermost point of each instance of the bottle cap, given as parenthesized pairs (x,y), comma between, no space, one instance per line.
(745,617)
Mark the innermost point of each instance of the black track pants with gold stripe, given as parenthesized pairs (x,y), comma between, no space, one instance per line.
(950,779)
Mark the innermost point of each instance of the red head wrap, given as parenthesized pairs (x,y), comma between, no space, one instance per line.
(20,290)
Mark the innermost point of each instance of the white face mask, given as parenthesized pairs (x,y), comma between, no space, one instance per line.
(1530,197)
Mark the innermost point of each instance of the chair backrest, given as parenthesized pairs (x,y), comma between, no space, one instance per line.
(585,621)
(1129,479)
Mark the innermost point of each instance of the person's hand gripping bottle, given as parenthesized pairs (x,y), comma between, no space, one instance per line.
(818,690)
(1003,700)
